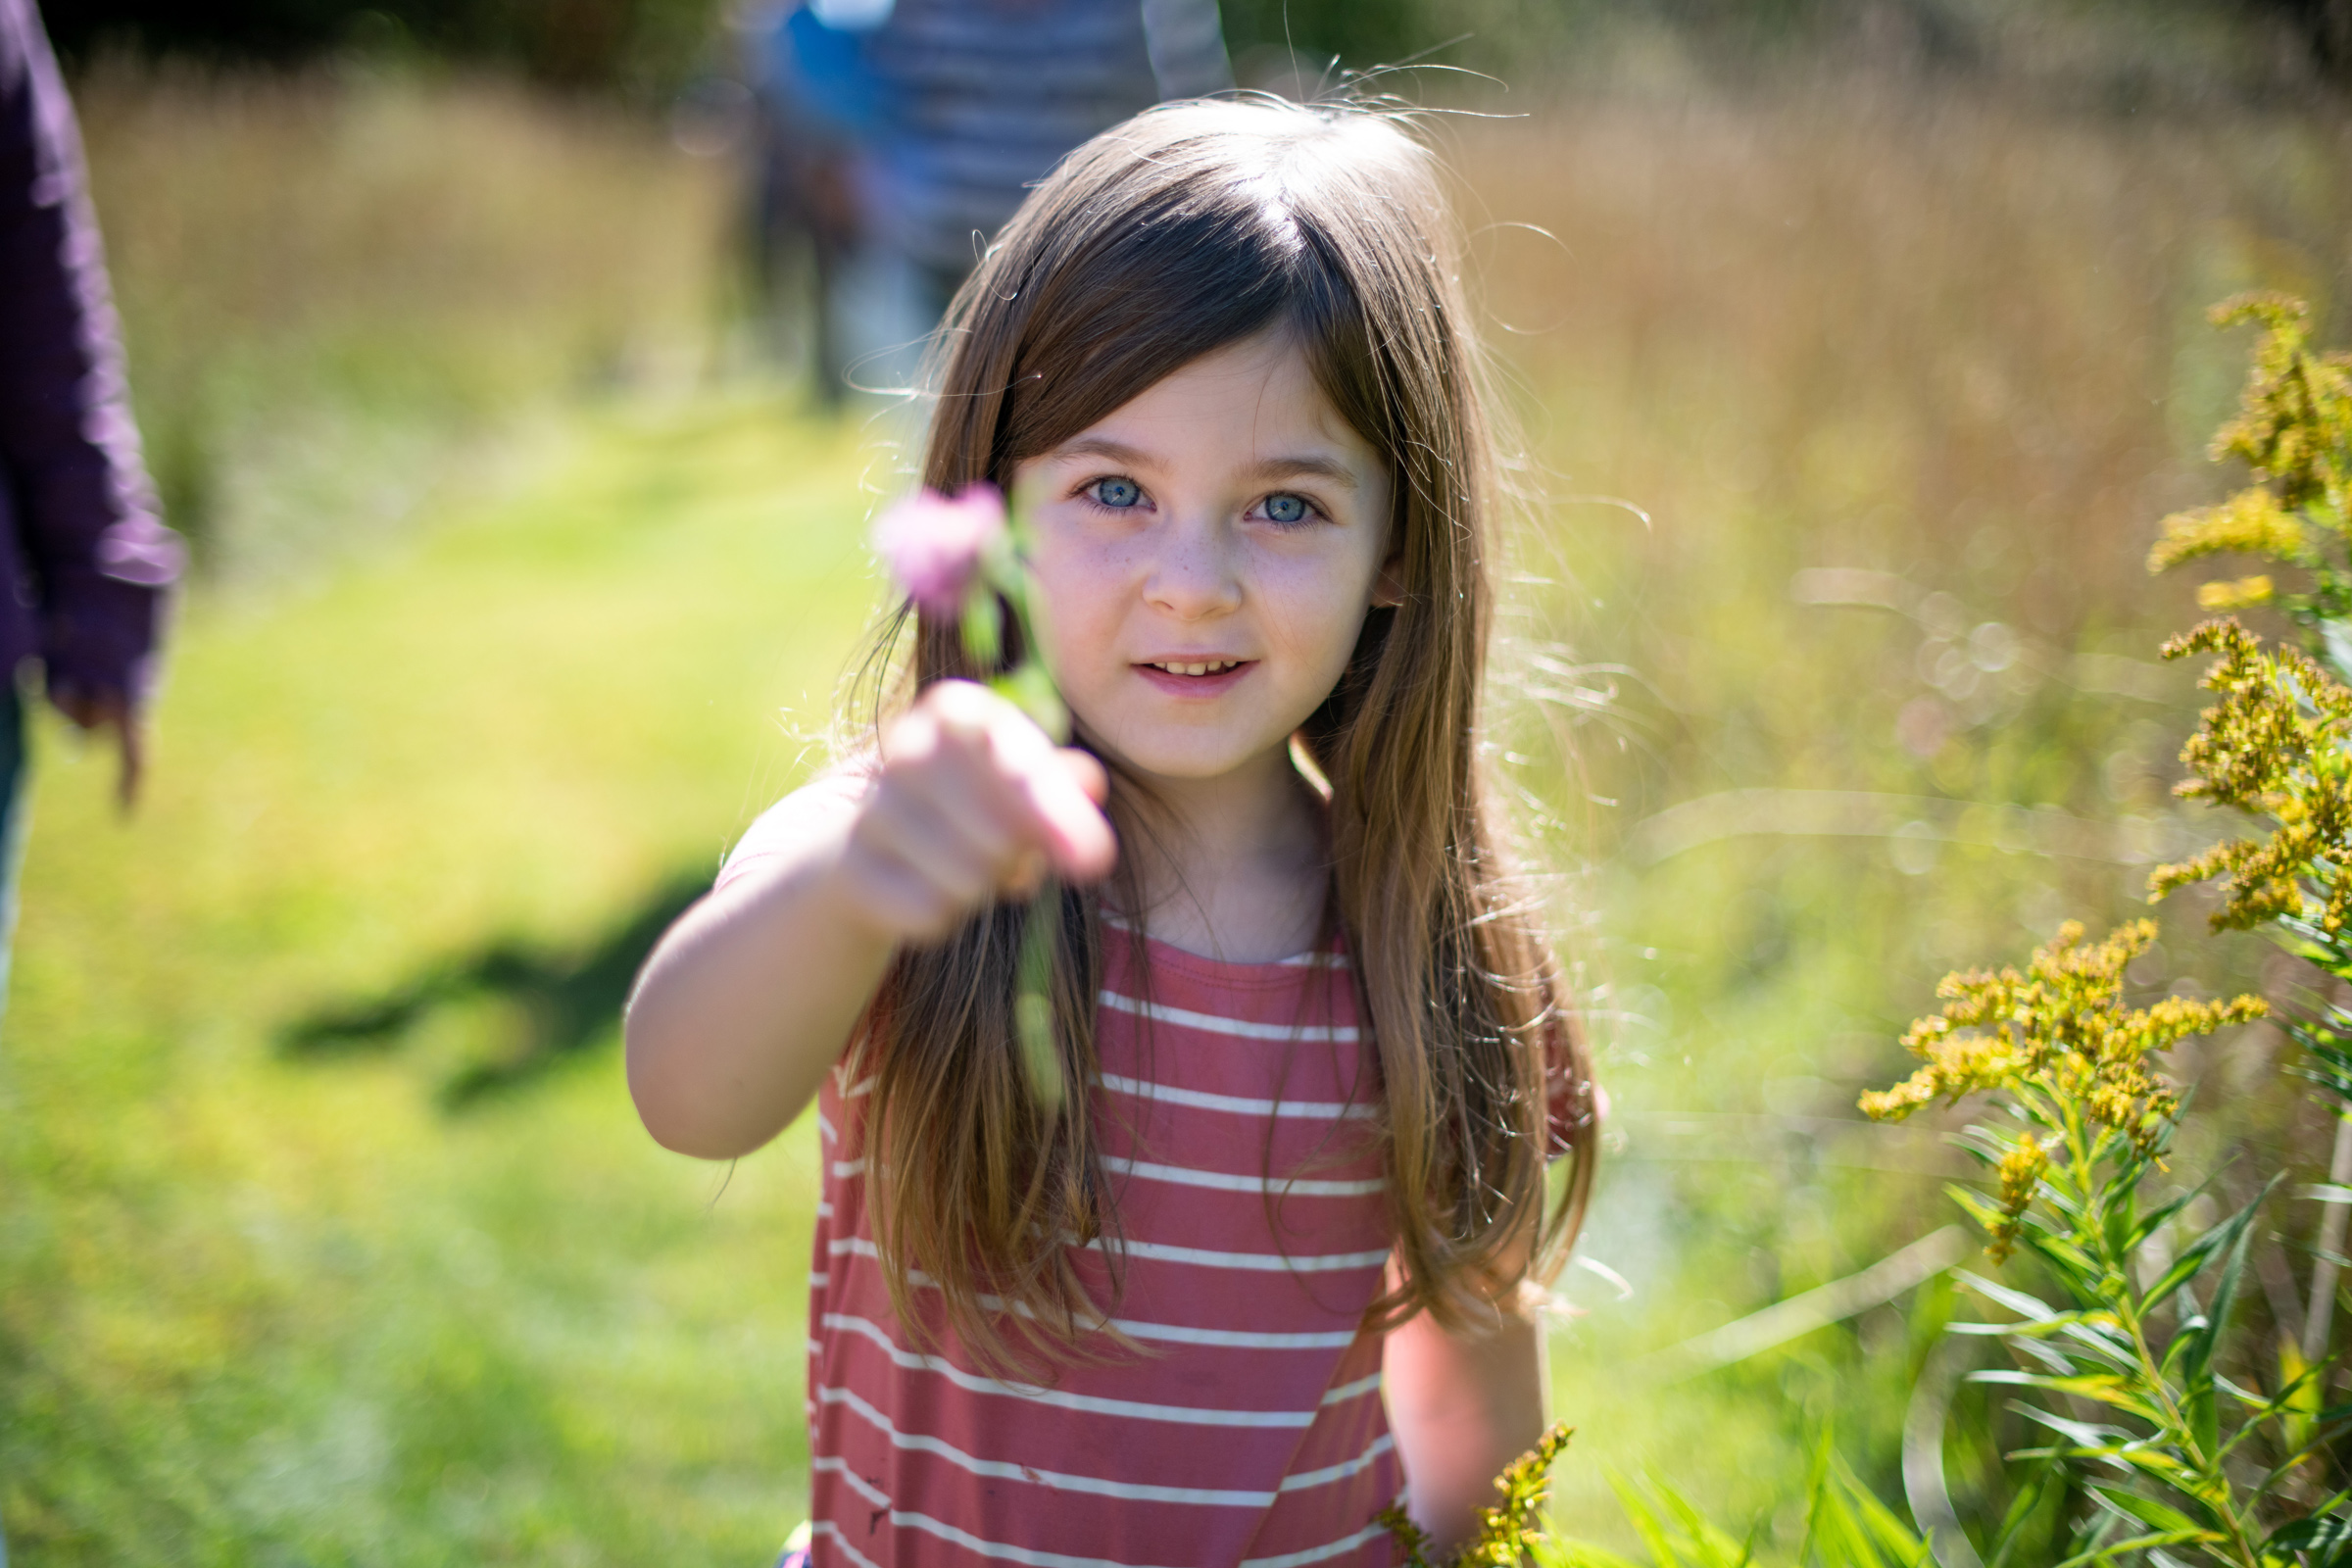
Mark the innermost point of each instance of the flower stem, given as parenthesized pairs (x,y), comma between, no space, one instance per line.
(1033,1004)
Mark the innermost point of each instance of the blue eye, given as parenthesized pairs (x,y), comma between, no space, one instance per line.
(1117,494)
(1286,508)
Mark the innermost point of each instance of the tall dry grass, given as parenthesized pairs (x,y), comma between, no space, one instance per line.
(1948,331)
(332,280)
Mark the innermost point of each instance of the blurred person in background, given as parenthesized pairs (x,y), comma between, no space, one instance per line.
(897,138)
(87,564)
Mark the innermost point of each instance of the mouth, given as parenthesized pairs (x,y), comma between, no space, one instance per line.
(1203,667)
(1194,677)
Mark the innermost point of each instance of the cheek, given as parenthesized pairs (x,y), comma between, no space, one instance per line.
(1315,609)
(1077,600)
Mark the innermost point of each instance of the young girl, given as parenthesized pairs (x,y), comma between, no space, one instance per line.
(1265,1268)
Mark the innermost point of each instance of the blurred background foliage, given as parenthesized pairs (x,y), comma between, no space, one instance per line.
(1857,349)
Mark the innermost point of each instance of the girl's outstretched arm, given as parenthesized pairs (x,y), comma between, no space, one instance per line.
(1463,1406)
(748,1001)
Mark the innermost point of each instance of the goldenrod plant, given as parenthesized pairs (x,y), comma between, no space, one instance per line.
(1509,1530)
(2142,1421)
(2172,1459)
(2155,1453)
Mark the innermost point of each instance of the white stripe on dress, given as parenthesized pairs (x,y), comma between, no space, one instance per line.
(1135,1409)
(1269,1262)
(1171,1333)
(1292,1559)
(906,1520)
(1239,1105)
(1342,1470)
(1227,1182)
(1211,1024)
(1053,1480)
(1235,1339)
(832,1533)
(1349,1391)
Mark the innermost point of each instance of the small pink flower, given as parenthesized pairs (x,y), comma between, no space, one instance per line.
(934,544)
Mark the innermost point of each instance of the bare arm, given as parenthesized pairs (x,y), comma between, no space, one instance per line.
(749,999)
(1462,1408)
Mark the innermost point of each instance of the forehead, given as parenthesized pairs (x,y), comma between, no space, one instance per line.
(1246,401)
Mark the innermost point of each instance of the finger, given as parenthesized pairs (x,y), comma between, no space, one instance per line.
(965,792)
(1033,795)
(1047,804)
(963,710)
(930,845)
(1078,835)
(1048,800)
(1088,770)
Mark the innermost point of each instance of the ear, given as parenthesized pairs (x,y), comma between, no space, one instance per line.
(1387,589)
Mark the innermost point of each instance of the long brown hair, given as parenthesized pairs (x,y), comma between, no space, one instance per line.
(1190,228)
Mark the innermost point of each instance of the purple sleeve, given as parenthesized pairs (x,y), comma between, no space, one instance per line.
(98,560)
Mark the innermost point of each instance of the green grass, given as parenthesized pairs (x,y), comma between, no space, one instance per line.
(260,1309)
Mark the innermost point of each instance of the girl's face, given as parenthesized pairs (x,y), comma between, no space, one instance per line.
(1205,553)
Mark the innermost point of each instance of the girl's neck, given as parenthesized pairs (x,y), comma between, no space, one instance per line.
(1234,868)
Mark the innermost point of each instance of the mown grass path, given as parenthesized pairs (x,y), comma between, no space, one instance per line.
(260,1305)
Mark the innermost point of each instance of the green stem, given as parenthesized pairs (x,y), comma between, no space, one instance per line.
(2123,1301)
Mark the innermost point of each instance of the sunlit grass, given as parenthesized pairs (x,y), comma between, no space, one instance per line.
(261,1310)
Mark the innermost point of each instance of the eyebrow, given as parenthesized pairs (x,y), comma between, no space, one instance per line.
(1303,466)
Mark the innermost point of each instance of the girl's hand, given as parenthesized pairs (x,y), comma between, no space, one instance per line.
(972,803)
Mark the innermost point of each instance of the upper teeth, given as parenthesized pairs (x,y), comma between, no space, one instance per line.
(1211,667)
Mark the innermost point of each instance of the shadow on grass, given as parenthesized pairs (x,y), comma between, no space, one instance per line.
(562,1000)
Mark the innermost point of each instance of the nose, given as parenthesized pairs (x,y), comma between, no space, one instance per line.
(1194,575)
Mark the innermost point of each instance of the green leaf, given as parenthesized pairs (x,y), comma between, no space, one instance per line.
(2079,1269)
(1645,1523)
(2032,1307)
(2202,1412)
(2108,1552)
(2153,1459)
(2157,1218)
(2082,1431)
(2198,1253)
(2103,1387)
(1713,1547)
(982,624)
(2323,1193)
(2149,1511)
(2196,1366)
(1580,1554)
(2328,1539)
(1030,689)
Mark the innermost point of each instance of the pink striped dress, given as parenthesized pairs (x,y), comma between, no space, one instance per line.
(1254,1432)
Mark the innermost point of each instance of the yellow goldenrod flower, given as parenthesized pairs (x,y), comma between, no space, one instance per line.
(2248,524)
(2244,594)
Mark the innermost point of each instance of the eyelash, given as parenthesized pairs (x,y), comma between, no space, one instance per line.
(1086,493)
